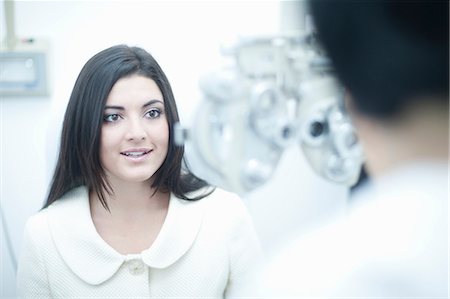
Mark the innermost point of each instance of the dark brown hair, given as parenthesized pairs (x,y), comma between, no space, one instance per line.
(387,53)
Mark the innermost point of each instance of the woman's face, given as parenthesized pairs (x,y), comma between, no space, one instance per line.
(135,132)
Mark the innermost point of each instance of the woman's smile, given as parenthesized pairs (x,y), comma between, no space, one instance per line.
(136,155)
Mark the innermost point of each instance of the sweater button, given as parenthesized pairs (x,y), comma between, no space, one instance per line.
(136,267)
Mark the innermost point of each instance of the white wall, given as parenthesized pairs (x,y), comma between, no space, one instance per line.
(184,36)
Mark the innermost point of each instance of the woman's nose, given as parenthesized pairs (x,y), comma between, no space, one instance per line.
(135,130)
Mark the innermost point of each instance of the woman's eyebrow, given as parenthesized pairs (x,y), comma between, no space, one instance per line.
(151,102)
(115,107)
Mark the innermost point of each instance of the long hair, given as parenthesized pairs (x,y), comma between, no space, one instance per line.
(79,161)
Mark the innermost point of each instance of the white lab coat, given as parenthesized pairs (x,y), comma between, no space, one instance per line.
(205,248)
(393,243)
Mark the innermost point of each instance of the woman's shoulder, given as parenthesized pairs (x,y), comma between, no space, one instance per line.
(41,221)
(225,206)
(217,203)
(222,198)
(37,230)
(37,222)
(218,198)
(71,197)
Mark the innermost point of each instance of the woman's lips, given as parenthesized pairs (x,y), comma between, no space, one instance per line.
(137,154)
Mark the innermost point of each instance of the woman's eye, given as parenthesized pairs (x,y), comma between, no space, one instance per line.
(111,117)
(153,113)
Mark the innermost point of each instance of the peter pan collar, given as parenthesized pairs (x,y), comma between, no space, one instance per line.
(95,261)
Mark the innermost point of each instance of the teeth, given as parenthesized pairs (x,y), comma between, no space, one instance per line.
(134,154)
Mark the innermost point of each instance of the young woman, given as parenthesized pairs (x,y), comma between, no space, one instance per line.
(123,219)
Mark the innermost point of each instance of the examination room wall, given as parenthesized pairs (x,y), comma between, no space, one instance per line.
(185,37)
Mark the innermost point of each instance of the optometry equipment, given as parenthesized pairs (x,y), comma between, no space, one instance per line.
(273,92)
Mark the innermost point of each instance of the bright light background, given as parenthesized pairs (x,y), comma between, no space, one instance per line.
(185,37)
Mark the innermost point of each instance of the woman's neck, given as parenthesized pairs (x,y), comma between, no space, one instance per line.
(130,198)
(135,217)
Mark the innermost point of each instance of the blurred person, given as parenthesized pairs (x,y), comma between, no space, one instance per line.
(393,59)
(123,218)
